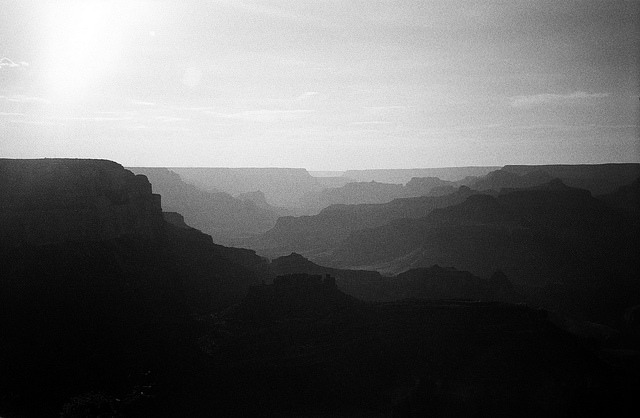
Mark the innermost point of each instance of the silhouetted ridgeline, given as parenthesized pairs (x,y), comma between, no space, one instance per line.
(110,307)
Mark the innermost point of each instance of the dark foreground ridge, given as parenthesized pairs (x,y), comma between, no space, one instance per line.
(300,347)
(112,308)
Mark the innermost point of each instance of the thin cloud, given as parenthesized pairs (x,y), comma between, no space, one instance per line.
(570,127)
(37,122)
(19,98)
(143,103)
(170,119)
(272,12)
(156,128)
(372,122)
(11,114)
(7,63)
(265,115)
(546,99)
(99,118)
(383,108)
(307,95)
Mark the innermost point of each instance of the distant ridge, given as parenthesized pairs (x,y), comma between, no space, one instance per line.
(597,178)
(403,175)
(281,186)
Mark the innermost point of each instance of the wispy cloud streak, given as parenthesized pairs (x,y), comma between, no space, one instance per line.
(546,99)
(264,115)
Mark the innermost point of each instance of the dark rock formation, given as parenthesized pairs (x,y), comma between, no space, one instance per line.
(298,295)
(441,283)
(175,219)
(362,284)
(300,348)
(62,200)
(97,290)
(424,283)
(626,198)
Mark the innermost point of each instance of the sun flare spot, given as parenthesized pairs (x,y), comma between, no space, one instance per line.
(86,43)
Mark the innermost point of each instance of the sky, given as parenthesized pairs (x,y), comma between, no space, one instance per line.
(321,84)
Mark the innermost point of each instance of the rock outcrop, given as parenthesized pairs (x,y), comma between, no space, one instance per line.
(48,201)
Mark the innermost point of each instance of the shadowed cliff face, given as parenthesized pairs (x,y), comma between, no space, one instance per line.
(97,291)
(61,200)
(89,213)
(218,214)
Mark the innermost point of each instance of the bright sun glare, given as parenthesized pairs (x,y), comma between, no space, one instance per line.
(86,42)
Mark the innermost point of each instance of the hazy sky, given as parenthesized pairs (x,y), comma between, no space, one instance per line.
(321,84)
